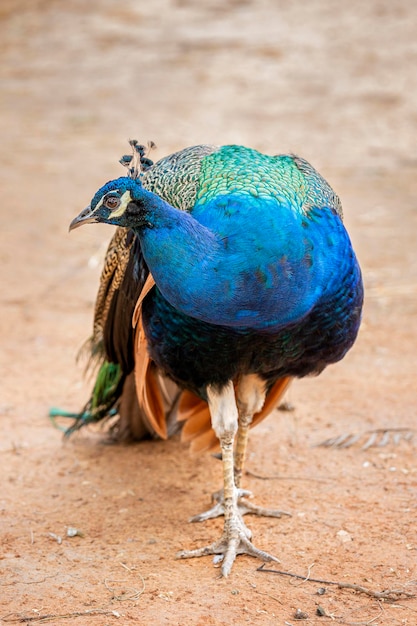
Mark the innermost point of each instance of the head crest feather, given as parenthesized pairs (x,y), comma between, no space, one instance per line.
(137,162)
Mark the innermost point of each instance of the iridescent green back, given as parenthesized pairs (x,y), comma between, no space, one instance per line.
(202,172)
(235,169)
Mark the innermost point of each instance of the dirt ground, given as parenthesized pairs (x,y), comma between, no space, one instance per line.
(334,82)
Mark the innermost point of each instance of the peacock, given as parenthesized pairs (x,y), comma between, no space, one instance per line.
(229,274)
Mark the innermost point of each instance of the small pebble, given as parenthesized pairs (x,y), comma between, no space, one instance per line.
(74,532)
(344,536)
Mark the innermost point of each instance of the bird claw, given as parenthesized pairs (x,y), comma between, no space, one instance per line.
(236,537)
(227,549)
(249,507)
(217,510)
(244,507)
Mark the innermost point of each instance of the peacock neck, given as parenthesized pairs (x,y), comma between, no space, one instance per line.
(173,242)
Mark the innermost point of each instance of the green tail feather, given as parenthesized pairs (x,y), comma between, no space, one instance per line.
(106,392)
(107,382)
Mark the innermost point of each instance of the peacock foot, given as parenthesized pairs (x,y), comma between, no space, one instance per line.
(244,506)
(234,540)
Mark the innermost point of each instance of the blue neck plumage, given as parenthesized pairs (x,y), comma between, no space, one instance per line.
(241,261)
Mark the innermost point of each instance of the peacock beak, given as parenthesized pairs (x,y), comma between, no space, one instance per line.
(85,217)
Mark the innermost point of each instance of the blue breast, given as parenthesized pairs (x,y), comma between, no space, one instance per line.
(248,262)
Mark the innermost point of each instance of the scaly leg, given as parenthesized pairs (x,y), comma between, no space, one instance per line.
(235,538)
(250,399)
(251,395)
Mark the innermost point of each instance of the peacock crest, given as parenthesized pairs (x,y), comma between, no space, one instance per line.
(139,161)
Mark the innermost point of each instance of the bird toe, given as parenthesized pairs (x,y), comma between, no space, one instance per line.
(245,507)
(235,540)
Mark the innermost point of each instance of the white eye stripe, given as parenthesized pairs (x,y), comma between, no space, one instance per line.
(98,205)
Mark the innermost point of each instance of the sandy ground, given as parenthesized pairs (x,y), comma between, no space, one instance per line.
(334,82)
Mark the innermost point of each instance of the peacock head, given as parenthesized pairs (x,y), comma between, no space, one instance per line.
(119,202)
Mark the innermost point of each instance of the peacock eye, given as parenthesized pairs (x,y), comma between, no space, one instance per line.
(112,202)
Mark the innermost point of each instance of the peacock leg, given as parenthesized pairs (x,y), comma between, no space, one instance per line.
(250,399)
(236,537)
(251,395)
